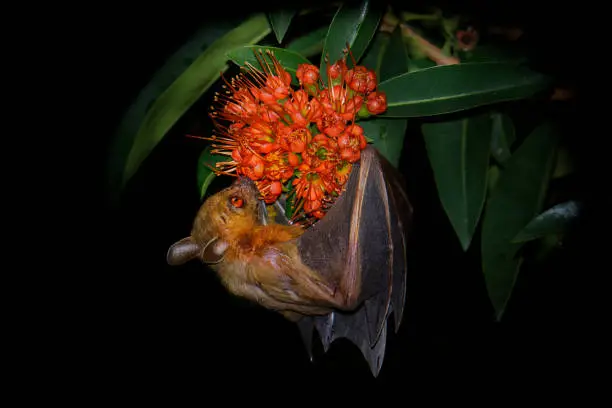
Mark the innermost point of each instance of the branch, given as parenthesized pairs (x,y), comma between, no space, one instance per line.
(431,51)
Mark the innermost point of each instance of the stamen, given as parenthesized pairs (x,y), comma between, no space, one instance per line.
(348,47)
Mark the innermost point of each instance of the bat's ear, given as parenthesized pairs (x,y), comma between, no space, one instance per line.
(182,251)
(214,251)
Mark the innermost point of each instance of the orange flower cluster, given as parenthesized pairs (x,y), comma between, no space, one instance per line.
(299,141)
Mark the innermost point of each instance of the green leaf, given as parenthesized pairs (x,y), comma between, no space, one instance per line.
(492,177)
(178,63)
(503,137)
(452,88)
(555,220)
(419,64)
(354,24)
(188,88)
(309,44)
(395,59)
(387,136)
(517,198)
(458,151)
(373,58)
(289,208)
(290,60)
(205,173)
(280,21)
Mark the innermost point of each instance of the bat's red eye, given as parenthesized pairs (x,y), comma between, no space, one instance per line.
(237,202)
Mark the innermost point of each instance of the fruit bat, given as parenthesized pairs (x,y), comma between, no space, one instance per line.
(343,275)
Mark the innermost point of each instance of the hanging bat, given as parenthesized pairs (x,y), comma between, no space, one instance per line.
(344,275)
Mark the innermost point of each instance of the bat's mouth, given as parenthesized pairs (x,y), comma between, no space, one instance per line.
(262,210)
(245,183)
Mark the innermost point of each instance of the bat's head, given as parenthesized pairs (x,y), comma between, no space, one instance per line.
(219,220)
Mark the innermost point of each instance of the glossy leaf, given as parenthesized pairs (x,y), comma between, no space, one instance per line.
(309,44)
(452,88)
(458,151)
(373,58)
(503,137)
(492,177)
(517,198)
(555,220)
(395,59)
(280,21)
(354,24)
(419,64)
(205,173)
(173,68)
(387,135)
(188,87)
(290,60)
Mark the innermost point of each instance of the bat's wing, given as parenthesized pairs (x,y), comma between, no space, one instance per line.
(365,230)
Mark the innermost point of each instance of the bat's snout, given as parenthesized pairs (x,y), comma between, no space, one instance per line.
(246,183)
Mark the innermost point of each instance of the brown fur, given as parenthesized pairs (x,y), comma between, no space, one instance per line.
(258,262)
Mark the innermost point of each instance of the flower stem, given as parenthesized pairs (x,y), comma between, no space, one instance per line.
(407,16)
(433,53)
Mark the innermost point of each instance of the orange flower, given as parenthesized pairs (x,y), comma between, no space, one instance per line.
(277,167)
(305,138)
(377,103)
(293,159)
(311,206)
(309,187)
(321,150)
(338,99)
(277,85)
(252,166)
(467,39)
(242,106)
(270,190)
(331,123)
(336,71)
(274,91)
(268,113)
(360,79)
(260,137)
(318,214)
(351,142)
(342,173)
(293,139)
(301,110)
(307,74)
